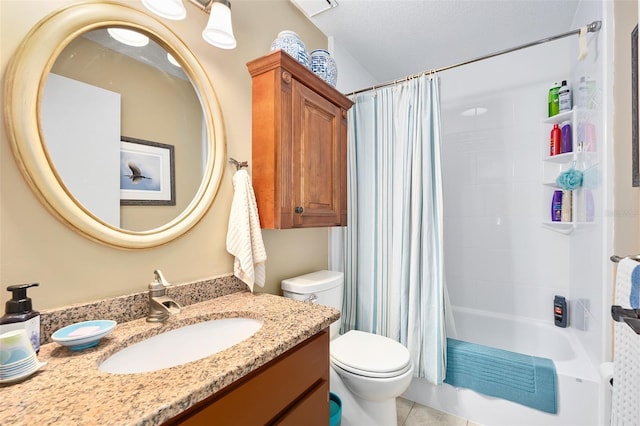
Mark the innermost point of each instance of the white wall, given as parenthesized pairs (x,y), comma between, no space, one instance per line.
(82,124)
(351,75)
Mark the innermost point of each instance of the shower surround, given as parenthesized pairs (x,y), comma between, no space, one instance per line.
(502,266)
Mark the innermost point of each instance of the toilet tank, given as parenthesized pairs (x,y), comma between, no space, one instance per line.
(322,287)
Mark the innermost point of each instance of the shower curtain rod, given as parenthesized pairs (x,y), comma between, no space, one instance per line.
(591,28)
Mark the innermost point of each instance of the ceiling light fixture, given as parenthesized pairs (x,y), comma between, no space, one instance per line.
(219,30)
(128,37)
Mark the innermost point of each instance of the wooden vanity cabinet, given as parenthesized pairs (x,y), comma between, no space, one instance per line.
(292,389)
(299,131)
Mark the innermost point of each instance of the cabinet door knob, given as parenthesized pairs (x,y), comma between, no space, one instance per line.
(299,210)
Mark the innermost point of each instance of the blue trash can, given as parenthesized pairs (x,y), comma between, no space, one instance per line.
(335,409)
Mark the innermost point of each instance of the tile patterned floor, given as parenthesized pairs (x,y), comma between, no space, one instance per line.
(413,414)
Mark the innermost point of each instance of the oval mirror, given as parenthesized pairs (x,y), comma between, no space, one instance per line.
(124,144)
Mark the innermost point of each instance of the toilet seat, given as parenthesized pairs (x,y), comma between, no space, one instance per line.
(369,355)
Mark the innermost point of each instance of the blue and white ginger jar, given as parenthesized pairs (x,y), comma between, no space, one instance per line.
(324,66)
(290,42)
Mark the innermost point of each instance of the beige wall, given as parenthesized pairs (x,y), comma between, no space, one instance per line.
(156,106)
(36,247)
(626,198)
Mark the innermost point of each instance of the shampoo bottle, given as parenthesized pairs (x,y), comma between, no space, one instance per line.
(589,206)
(564,97)
(556,206)
(565,213)
(566,144)
(583,95)
(560,314)
(554,102)
(20,315)
(555,140)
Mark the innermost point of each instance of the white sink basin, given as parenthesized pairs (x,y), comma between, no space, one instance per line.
(181,345)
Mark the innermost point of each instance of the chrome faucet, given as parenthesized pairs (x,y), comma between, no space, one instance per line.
(160,305)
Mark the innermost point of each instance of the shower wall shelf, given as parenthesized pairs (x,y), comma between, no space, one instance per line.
(559,118)
(561,227)
(553,165)
(566,227)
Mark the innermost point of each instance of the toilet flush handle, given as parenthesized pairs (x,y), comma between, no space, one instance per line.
(312,299)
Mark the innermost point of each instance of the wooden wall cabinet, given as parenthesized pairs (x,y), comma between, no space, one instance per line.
(299,160)
(292,389)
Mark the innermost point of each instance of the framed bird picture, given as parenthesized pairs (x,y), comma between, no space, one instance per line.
(147,173)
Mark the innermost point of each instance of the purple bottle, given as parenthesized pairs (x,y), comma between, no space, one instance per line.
(556,206)
(566,144)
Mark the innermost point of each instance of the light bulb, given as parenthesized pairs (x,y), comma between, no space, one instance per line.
(172,60)
(169,9)
(128,37)
(219,31)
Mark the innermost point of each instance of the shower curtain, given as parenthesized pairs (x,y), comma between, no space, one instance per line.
(391,250)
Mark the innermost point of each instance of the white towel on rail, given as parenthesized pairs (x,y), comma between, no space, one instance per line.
(625,399)
(244,236)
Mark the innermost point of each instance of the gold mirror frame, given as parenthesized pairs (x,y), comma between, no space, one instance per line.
(24,83)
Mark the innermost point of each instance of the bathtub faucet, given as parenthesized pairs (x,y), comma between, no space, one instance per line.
(160,305)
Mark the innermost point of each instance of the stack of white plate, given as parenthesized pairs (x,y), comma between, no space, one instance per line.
(18,360)
(19,370)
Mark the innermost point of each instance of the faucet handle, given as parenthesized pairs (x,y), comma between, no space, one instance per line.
(158,283)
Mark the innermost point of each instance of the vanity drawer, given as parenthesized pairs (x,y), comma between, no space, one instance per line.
(293,386)
(304,412)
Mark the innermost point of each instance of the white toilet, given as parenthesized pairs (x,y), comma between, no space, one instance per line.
(368,371)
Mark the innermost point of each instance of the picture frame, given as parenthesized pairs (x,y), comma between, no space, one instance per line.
(147,173)
(635,142)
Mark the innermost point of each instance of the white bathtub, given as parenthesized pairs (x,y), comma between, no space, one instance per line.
(578,380)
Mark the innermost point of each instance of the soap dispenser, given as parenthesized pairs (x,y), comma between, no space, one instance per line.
(20,315)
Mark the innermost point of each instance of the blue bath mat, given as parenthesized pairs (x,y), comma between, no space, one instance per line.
(524,379)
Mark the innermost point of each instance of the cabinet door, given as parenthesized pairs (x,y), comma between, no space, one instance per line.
(317,162)
(291,387)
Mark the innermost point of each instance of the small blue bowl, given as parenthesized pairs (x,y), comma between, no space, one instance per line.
(83,335)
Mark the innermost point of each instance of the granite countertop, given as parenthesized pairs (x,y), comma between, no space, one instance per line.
(71,390)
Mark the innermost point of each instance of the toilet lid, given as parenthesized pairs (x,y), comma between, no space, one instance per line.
(369,354)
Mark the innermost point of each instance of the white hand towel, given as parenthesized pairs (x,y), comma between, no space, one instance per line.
(625,399)
(244,236)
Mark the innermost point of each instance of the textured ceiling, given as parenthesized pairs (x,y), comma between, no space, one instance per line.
(395,38)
